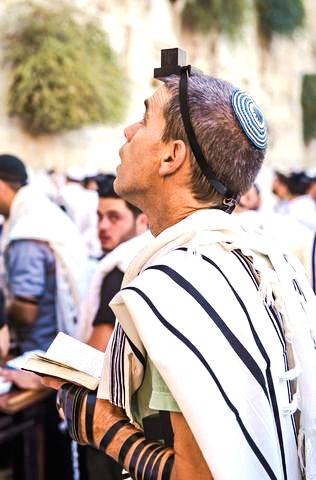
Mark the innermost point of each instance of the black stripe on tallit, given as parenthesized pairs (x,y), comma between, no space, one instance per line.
(237,346)
(277,323)
(196,352)
(117,384)
(295,282)
(262,350)
(273,313)
(266,357)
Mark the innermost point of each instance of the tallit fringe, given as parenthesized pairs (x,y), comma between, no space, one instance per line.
(193,247)
(307,453)
(291,374)
(291,407)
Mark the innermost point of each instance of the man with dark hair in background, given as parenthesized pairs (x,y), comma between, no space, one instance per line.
(123,232)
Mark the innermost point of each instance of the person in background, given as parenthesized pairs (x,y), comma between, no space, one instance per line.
(45,268)
(294,200)
(311,173)
(91,176)
(290,234)
(214,340)
(123,231)
(79,202)
(4,330)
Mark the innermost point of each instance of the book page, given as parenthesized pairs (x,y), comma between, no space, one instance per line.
(70,351)
(40,365)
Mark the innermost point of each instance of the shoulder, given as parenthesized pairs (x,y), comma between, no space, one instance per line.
(28,249)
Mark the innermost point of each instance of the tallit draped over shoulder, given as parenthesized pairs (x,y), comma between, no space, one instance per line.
(228,320)
(33,216)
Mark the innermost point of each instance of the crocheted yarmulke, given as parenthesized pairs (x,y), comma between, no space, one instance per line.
(250,118)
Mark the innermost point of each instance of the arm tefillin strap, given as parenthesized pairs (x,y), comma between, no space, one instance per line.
(149,460)
(90,406)
(72,404)
(173,63)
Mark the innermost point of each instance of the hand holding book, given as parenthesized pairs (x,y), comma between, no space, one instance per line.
(68,359)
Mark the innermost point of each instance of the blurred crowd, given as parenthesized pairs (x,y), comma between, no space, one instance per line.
(67,240)
(284,209)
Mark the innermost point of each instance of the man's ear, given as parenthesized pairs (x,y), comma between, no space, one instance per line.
(174,158)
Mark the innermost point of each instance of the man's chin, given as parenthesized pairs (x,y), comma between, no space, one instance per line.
(107,248)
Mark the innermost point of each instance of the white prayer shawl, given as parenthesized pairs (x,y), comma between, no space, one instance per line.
(33,216)
(120,257)
(222,348)
(293,235)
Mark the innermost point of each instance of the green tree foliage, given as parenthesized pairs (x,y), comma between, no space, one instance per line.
(64,74)
(223,16)
(279,16)
(308,100)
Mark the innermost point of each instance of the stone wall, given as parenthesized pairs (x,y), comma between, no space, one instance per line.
(138,30)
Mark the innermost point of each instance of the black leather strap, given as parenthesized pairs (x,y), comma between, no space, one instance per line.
(167,468)
(90,406)
(149,465)
(155,470)
(127,445)
(135,455)
(152,449)
(166,427)
(109,435)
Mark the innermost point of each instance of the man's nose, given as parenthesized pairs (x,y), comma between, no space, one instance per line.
(130,131)
(104,223)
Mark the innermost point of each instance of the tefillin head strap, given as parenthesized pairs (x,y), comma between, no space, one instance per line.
(230,199)
(247,112)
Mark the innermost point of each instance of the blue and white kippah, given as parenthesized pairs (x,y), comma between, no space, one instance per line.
(250,118)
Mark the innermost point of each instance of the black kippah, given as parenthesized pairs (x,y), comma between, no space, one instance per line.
(12,169)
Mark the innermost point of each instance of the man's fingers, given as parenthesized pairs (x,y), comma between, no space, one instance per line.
(52,382)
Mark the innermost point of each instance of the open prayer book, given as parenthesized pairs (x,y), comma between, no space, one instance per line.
(69,359)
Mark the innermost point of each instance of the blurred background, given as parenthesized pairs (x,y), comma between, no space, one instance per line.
(74,73)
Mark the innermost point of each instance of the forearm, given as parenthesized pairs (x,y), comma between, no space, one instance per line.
(100,336)
(108,428)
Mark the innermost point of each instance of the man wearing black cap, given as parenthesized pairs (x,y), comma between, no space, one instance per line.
(213,322)
(44,259)
(14,171)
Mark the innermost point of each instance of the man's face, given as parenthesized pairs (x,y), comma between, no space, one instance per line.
(4,202)
(143,151)
(116,223)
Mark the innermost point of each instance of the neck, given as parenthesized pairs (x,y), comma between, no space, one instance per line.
(162,218)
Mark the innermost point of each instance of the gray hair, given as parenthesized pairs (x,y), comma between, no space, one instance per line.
(234,160)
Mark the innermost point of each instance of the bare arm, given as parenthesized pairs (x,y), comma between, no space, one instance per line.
(112,432)
(4,341)
(100,336)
